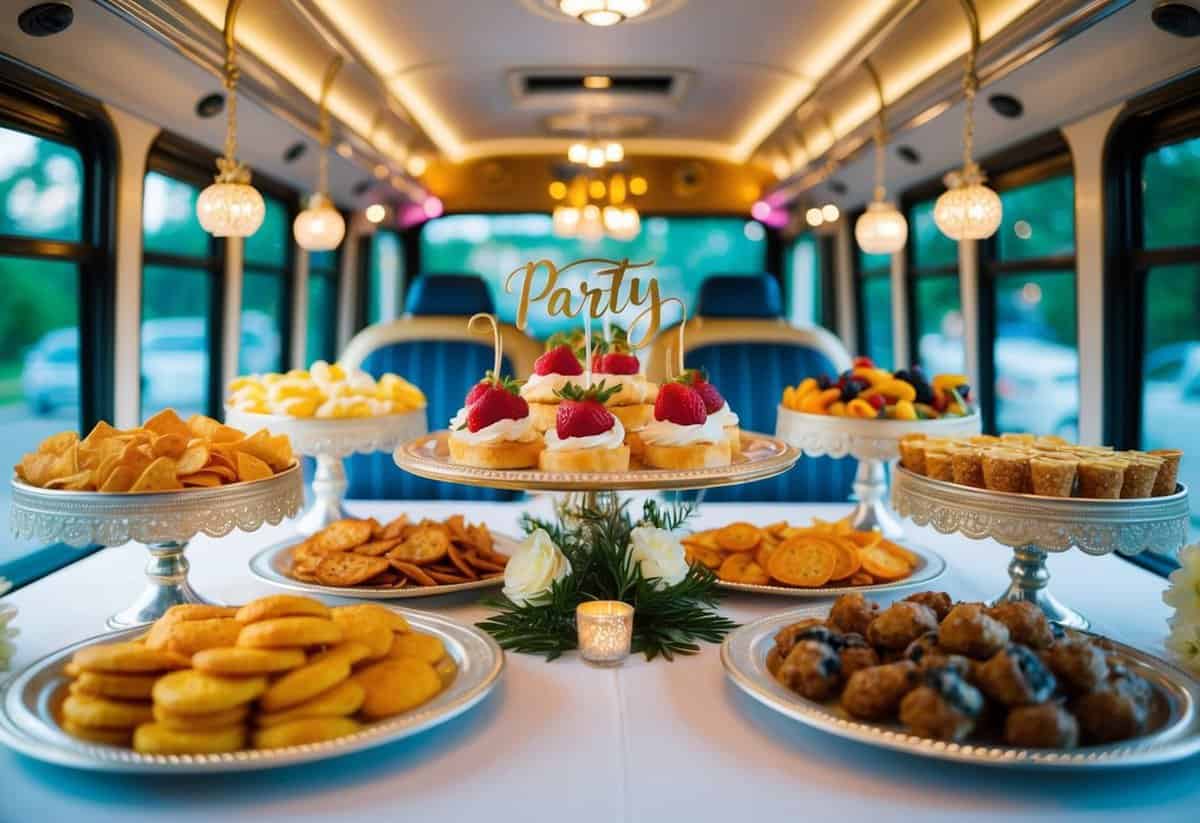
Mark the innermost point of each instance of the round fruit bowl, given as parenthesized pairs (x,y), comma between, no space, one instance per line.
(331,441)
(163,521)
(873,443)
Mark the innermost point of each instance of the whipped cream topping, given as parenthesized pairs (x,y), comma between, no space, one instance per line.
(633,388)
(508,430)
(666,433)
(611,439)
(554,382)
(726,416)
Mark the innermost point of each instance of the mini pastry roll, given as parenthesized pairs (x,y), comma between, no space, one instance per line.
(984,440)
(1052,475)
(939,465)
(912,452)
(1005,469)
(1021,438)
(1101,477)
(1168,474)
(1141,471)
(967,463)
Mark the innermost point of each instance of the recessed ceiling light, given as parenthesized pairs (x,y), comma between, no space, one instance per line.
(294,152)
(1006,105)
(837,187)
(45,19)
(908,154)
(210,105)
(1179,19)
(597,81)
(375,213)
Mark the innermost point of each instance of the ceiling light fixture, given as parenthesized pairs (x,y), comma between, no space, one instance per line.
(603,13)
(813,217)
(638,186)
(230,206)
(321,227)
(375,213)
(578,153)
(597,81)
(968,210)
(344,150)
(416,165)
(881,229)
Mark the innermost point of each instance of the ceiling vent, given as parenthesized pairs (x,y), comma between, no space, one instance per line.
(651,84)
(571,88)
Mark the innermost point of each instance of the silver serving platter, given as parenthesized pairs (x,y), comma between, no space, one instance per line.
(28,700)
(271,564)
(1175,736)
(336,437)
(930,567)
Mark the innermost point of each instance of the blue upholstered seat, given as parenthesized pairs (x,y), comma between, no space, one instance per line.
(445,370)
(751,376)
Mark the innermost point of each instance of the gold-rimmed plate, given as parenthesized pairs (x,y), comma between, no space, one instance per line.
(761,457)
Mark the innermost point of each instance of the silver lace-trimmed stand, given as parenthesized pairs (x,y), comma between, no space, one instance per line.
(1035,526)
(330,441)
(874,443)
(164,522)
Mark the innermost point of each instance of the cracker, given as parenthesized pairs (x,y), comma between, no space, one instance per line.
(425,545)
(342,535)
(343,569)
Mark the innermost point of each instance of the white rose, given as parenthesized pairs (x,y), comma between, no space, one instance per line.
(659,555)
(535,566)
(1183,594)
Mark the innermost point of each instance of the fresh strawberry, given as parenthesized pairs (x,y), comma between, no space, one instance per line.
(617,363)
(479,388)
(597,363)
(863,362)
(680,404)
(559,360)
(698,380)
(581,412)
(499,401)
(877,401)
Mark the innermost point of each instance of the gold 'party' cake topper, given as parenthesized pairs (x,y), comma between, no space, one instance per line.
(594,302)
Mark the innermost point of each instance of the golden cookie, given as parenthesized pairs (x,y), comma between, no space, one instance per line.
(155,738)
(193,692)
(419,645)
(128,658)
(240,661)
(304,730)
(342,535)
(426,544)
(343,699)
(200,722)
(281,605)
(284,632)
(156,638)
(394,686)
(368,624)
(348,569)
(304,683)
(117,686)
(109,737)
(351,651)
(100,712)
(192,636)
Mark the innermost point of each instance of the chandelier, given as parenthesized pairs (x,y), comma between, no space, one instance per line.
(968,210)
(603,12)
(595,155)
(230,206)
(580,217)
(320,227)
(881,229)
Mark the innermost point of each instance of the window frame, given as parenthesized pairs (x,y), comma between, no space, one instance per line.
(860,276)
(334,276)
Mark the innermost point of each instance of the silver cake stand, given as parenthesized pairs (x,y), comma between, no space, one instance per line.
(1034,526)
(331,440)
(874,443)
(163,522)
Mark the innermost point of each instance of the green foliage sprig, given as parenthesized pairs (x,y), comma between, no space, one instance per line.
(667,621)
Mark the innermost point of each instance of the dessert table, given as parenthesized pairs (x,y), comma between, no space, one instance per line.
(644,742)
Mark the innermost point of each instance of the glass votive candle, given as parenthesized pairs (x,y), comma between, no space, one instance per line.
(605,630)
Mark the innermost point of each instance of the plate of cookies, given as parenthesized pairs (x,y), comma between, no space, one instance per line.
(989,685)
(279,681)
(817,559)
(403,558)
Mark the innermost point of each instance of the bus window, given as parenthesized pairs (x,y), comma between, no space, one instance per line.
(41,196)
(385,278)
(875,308)
(1033,280)
(267,270)
(936,319)
(802,275)
(685,251)
(180,270)
(322,306)
(1170,177)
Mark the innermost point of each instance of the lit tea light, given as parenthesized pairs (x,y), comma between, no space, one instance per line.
(605,631)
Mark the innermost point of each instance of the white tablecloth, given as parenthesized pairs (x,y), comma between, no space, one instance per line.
(566,742)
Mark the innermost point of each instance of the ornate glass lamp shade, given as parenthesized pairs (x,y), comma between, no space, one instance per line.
(881,229)
(603,12)
(968,211)
(319,227)
(230,209)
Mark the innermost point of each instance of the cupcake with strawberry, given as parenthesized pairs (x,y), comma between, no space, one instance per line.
(586,436)
(633,399)
(494,428)
(716,406)
(551,372)
(683,435)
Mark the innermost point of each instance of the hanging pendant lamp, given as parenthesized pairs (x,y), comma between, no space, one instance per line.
(881,229)
(320,227)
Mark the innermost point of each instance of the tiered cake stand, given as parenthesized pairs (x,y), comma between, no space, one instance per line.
(1033,526)
(873,443)
(331,441)
(162,521)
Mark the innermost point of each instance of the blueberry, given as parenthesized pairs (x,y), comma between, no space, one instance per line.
(824,382)
(917,370)
(924,392)
(845,376)
(901,374)
(963,391)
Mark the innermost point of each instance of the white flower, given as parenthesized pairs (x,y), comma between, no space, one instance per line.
(1183,594)
(535,566)
(659,555)
(1184,644)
